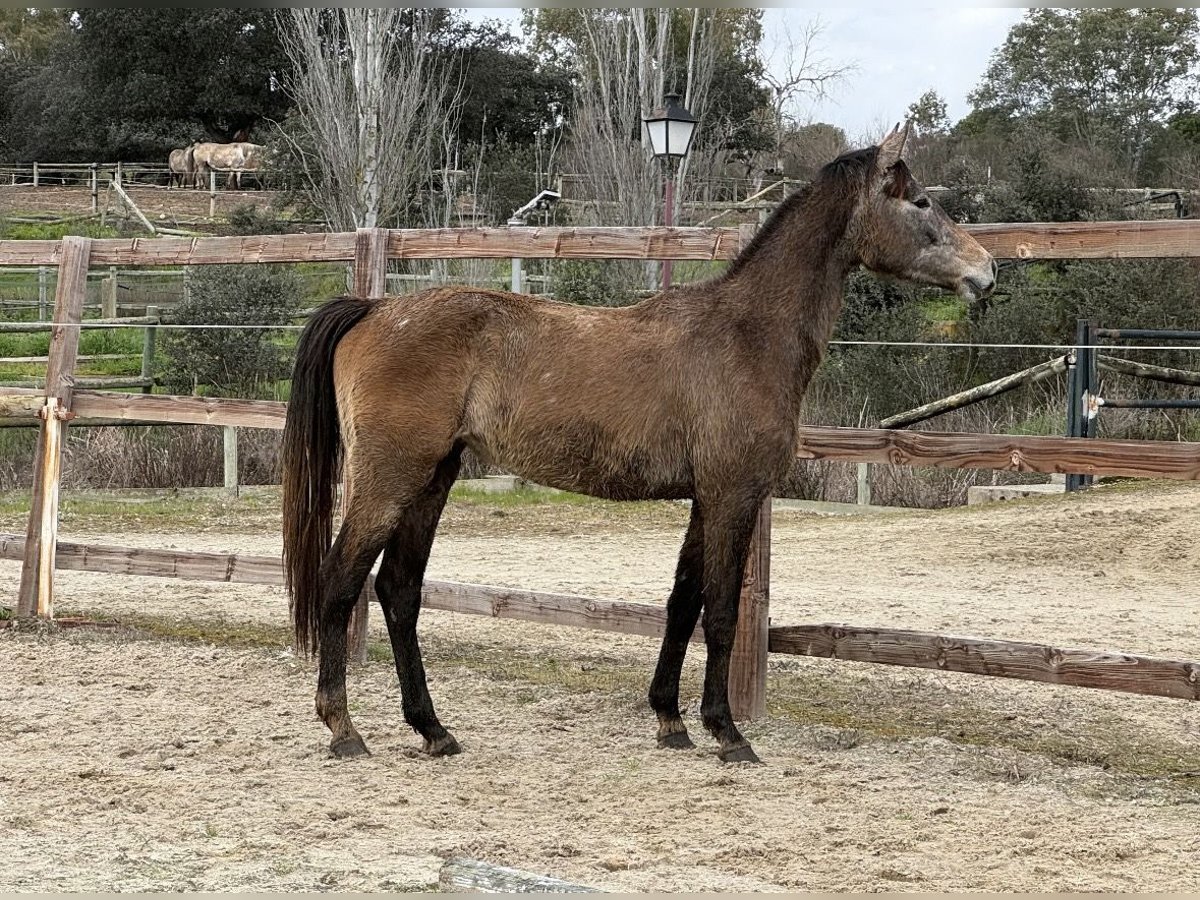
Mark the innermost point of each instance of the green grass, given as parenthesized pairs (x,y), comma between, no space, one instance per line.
(944,308)
(522,496)
(54,231)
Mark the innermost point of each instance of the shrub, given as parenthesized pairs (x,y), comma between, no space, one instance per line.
(236,361)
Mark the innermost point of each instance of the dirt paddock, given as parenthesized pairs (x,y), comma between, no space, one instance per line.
(180,751)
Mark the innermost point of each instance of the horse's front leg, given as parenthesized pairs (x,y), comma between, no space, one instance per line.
(683,611)
(728,530)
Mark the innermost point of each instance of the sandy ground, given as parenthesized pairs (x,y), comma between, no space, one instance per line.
(141,763)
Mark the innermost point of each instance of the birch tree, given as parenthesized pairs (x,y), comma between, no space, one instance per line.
(371,101)
(623,59)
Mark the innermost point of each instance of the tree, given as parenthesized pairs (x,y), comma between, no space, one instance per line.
(801,72)
(132,83)
(26,34)
(623,61)
(1106,78)
(163,77)
(373,106)
(928,113)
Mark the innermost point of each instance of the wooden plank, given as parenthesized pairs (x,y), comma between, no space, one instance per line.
(180,410)
(473,599)
(146,251)
(21,406)
(1090,240)
(1050,455)
(412,243)
(564,243)
(1066,240)
(748,661)
(35,595)
(459,875)
(1125,672)
(1010,659)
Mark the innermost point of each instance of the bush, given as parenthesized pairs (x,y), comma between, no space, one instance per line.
(234,361)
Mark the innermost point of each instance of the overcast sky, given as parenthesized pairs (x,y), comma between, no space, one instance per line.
(899,51)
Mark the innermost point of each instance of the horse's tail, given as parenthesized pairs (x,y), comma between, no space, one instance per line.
(311,460)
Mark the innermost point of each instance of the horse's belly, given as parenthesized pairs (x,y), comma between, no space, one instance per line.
(583,462)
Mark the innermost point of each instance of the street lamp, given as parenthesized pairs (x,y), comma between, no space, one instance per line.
(670,129)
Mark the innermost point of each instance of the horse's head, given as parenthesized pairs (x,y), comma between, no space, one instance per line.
(899,230)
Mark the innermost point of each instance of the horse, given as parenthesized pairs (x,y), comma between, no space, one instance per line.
(232,158)
(693,393)
(181,165)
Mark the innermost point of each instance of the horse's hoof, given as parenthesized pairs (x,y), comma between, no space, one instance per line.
(676,740)
(443,746)
(349,747)
(740,753)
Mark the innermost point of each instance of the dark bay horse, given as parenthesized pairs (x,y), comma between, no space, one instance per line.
(693,393)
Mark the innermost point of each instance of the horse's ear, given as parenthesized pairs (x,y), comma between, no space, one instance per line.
(891,148)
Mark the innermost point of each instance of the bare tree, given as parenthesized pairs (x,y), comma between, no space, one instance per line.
(624,57)
(371,103)
(801,72)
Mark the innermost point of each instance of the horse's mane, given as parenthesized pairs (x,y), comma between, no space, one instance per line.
(836,180)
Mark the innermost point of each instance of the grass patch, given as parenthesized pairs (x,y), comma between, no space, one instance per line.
(254,510)
(521,496)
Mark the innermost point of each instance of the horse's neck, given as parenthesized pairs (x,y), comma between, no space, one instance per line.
(790,289)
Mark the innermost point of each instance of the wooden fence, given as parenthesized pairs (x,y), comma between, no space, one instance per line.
(370,249)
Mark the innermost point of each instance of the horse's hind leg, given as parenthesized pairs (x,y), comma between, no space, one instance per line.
(343,573)
(683,610)
(398,587)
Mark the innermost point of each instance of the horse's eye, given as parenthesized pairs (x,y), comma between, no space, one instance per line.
(921,203)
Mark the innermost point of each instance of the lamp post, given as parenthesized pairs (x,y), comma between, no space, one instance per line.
(669,130)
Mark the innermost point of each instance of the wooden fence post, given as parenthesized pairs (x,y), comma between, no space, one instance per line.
(36,595)
(231,458)
(748,662)
(148,340)
(863,494)
(43,283)
(212,193)
(370,280)
(95,185)
(109,303)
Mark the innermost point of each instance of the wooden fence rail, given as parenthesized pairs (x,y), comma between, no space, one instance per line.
(369,250)
(1068,240)
(1125,672)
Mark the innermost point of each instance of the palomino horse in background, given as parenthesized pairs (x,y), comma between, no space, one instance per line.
(182,166)
(692,393)
(233,158)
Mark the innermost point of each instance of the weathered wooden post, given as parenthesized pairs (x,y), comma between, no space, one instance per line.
(748,662)
(148,339)
(370,280)
(863,494)
(36,177)
(95,185)
(109,304)
(36,594)
(43,293)
(231,459)
(212,193)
